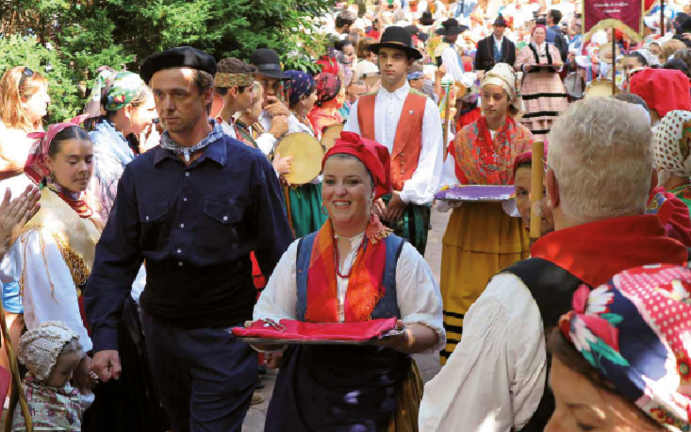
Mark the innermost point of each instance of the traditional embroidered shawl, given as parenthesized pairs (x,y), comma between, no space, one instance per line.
(490,162)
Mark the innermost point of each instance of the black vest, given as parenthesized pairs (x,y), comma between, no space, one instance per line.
(552,288)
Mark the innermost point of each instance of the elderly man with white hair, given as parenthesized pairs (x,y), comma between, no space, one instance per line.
(598,178)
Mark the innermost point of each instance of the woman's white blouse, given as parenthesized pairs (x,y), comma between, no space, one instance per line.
(418,295)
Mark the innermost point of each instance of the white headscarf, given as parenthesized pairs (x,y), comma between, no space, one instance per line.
(504,76)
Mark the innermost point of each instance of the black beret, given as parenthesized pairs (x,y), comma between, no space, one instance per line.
(180,57)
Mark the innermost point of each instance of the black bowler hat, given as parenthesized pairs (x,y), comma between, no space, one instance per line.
(180,57)
(399,38)
(451,27)
(427,19)
(267,63)
(499,22)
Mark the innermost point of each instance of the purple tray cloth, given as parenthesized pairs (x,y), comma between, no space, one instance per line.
(476,193)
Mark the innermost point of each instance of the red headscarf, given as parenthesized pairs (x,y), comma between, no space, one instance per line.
(373,155)
(525,158)
(537,27)
(329,64)
(663,90)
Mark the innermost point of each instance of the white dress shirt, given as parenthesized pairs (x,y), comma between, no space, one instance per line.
(424,183)
(498,43)
(228,129)
(417,293)
(495,379)
(449,58)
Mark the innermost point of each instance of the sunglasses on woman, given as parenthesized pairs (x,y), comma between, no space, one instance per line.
(26,73)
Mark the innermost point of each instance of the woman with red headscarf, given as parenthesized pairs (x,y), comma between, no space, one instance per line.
(664,90)
(543,92)
(351,270)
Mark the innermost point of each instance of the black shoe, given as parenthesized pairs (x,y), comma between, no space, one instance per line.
(262,370)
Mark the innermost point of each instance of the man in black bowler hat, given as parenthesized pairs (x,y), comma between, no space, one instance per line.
(191,209)
(495,48)
(450,56)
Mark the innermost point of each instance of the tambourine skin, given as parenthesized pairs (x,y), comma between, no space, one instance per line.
(600,87)
(307,153)
(330,135)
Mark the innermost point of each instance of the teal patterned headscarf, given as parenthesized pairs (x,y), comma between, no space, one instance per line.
(124,87)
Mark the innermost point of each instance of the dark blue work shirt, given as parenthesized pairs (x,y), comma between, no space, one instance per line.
(194,227)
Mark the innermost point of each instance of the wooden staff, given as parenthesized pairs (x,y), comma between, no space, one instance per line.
(447,110)
(662,18)
(614,62)
(537,174)
(17,381)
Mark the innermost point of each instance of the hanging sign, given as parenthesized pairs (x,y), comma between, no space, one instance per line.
(623,15)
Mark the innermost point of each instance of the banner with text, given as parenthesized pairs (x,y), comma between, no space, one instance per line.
(624,15)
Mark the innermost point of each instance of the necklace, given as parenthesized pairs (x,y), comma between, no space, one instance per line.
(337,258)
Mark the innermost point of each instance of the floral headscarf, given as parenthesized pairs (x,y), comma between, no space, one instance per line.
(672,143)
(301,85)
(636,332)
(36,167)
(124,87)
(328,86)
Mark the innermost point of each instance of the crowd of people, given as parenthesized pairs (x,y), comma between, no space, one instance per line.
(134,236)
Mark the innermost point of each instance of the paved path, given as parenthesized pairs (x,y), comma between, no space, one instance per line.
(428,364)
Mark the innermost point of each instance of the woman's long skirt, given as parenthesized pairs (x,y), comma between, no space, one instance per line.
(480,241)
(544,98)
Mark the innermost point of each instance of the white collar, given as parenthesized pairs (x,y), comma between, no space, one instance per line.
(498,41)
(400,94)
(354,241)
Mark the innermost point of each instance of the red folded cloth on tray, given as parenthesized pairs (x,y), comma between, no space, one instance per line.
(298,330)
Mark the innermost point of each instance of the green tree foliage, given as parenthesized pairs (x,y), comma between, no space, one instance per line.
(68,40)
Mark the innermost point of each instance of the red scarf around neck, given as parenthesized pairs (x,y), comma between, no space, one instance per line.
(365,287)
(594,252)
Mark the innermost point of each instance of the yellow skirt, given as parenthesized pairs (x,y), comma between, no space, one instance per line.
(405,418)
(480,241)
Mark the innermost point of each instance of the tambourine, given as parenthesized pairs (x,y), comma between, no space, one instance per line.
(307,155)
(330,135)
(600,87)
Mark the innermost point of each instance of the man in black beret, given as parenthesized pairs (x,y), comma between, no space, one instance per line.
(495,48)
(191,209)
